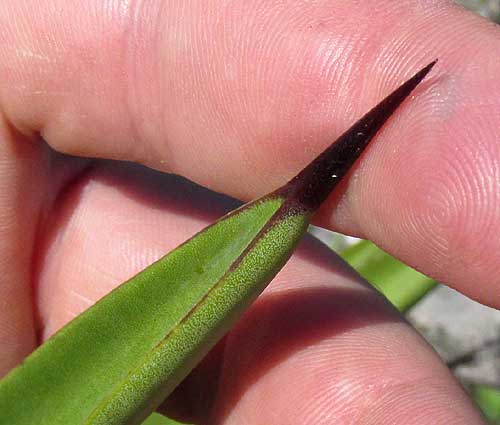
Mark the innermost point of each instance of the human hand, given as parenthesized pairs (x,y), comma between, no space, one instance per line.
(237,97)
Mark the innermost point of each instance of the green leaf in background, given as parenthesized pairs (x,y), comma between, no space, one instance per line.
(488,400)
(401,284)
(115,363)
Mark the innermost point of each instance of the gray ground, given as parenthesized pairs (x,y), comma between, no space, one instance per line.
(466,334)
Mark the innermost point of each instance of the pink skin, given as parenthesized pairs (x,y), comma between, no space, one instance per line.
(238,96)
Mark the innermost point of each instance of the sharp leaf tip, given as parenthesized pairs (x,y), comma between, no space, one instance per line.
(315,182)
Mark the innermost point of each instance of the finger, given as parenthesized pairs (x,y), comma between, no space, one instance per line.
(253,90)
(22,180)
(31,176)
(319,346)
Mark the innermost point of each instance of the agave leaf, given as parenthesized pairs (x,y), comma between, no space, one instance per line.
(115,363)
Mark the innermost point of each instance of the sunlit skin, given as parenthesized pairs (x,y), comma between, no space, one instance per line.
(238,96)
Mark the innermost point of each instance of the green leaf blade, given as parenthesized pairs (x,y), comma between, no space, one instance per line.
(488,400)
(172,360)
(148,307)
(402,285)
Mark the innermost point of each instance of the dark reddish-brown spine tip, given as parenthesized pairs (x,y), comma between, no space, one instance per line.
(314,183)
